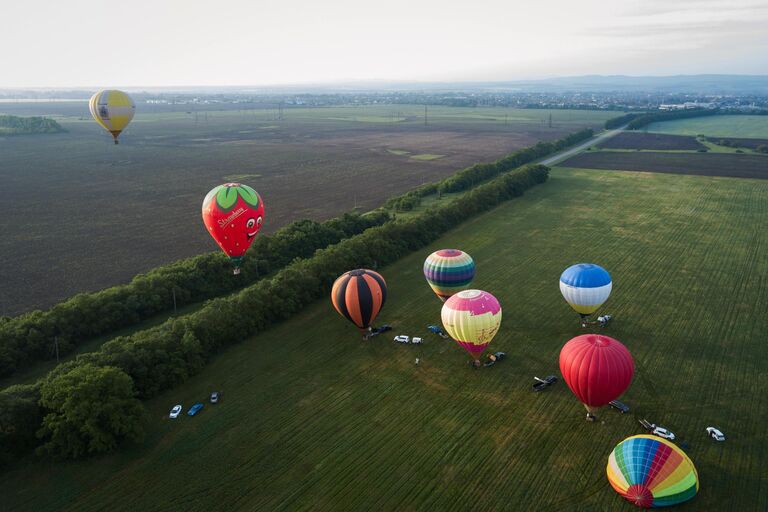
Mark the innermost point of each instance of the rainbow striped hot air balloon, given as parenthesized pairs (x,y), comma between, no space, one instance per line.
(472,318)
(585,287)
(448,271)
(652,472)
(113,110)
(358,296)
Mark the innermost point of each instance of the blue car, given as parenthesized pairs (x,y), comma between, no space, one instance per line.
(193,410)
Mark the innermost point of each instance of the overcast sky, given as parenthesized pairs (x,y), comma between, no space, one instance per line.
(74,43)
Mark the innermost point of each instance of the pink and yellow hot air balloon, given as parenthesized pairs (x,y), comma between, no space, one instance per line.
(472,318)
(652,472)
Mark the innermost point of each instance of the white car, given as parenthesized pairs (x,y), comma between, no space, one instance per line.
(715,434)
(662,432)
(402,339)
(175,411)
(416,340)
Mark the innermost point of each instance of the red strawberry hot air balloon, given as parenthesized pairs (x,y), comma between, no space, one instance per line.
(597,368)
(233,214)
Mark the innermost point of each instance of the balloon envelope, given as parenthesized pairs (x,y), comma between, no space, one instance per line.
(652,472)
(448,271)
(359,295)
(233,214)
(113,110)
(472,318)
(585,287)
(596,368)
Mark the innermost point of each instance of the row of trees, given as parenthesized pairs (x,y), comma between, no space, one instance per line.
(67,425)
(31,337)
(14,125)
(656,117)
(478,173)
(615,122)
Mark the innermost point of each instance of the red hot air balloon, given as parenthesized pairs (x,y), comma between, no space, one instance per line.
(597,368)
(233,214)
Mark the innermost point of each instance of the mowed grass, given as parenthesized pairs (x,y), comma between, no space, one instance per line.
(427,156)
(716,126)
(313,418)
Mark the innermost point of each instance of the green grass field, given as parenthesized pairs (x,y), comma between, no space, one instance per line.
(716,126)
(313,418)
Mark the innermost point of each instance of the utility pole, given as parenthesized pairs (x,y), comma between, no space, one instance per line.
(56,344)
(174,300)
(425,115)
(550,119)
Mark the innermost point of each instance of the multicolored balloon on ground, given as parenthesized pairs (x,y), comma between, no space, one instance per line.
(358,296)
(233,214)
(113,110)
(652,472)
(448,271)
(585,287)
(596,368)
(472,318)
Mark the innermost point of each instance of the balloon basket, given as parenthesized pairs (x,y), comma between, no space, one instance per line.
(236,271)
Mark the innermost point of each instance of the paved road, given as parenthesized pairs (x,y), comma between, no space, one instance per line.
(559,157)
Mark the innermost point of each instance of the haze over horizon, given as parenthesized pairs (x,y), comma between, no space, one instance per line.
(240,43)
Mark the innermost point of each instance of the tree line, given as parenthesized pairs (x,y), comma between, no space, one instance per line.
(635,121)
(478,173)
(91,404)
(15,125)
(38,335)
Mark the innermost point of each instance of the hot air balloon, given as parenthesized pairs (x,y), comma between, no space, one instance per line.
(585,287)
(472,318)
(233,214)
(358,296)
(597,368)
(448,271)
(113,110)
(652,472)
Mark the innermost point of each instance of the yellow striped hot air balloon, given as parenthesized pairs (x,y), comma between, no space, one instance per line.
(113,110)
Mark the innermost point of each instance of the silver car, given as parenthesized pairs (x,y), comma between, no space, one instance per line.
(175,411)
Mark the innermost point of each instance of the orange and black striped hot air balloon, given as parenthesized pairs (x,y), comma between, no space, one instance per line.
(358,296)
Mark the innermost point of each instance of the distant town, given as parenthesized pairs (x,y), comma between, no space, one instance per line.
(600,100)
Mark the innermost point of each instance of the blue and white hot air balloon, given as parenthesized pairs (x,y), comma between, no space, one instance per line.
(585,287)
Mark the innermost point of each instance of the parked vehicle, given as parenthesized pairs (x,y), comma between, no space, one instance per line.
(543,383)
(215,397)
(379,330)
(437,330)
(175,411)
(715,434)
(494,358)
(416,340)
(402,338)
(619,406)
(662,432)
(657,430)
(194,409)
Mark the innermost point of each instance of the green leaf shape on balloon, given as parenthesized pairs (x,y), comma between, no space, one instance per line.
(249,195)
(226,197)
